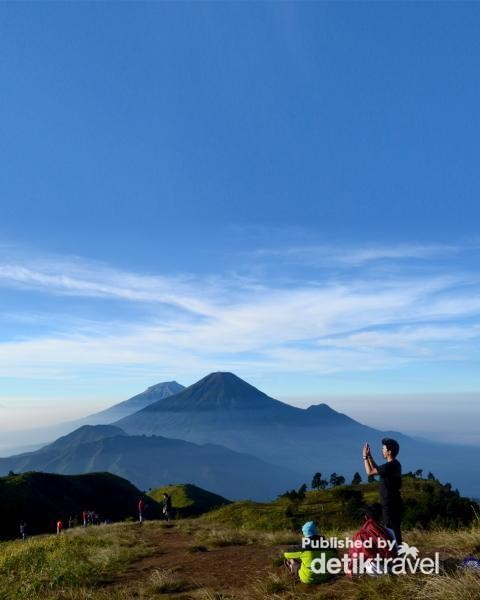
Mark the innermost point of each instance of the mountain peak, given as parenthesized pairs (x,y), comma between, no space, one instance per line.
(224,378)
(222,375)
(154,393)
(166,385)
(219,390)
(328,415)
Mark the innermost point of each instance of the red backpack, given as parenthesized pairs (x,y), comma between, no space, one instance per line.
(371,530)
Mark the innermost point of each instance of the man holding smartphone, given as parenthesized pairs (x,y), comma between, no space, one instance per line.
(390,474)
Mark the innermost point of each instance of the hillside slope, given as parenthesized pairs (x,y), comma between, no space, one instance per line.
(40,499)
(426,504)
(189,500)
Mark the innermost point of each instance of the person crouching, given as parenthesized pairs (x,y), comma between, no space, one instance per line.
(374,546)
(299,559)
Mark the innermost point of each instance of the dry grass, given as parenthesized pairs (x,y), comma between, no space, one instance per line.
(464,586)
(67,566)
(167,580)
(453,543)
(460,586)
(90,594)
(271,586)
(214,595)
(76,566)
(218,538)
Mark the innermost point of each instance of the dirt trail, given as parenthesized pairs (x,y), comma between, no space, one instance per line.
(229,568)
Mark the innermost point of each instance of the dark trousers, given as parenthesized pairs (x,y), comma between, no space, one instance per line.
(392,517)
(293,566)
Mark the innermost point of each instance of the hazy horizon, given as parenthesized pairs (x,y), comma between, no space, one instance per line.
(409,414)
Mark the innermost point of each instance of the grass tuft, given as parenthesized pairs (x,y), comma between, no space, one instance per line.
(270,586)
(214,595)
(164,581)
(219,538)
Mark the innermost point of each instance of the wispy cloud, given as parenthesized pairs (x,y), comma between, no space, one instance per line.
(354,257)
(337,323)
(97,280)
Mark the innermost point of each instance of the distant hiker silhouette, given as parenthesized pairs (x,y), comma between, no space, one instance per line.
(141,508)
(167,506)
(59,526)
(23,531)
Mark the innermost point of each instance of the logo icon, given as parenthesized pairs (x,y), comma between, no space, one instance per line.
(405,551)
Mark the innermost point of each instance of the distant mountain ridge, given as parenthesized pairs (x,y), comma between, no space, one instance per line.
(223,399)
(155,461)
(83,435)
(270,445)
(224,408)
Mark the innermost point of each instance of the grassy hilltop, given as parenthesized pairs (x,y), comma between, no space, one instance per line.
(189,500)
(232,552)
(192,560)
(428,503)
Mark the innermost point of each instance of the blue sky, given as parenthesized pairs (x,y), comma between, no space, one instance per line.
(285,190)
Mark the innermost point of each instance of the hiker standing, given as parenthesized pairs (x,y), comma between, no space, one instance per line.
(167,506)
(141,507)
(23,530)
(390,474)
(59,526)
(84,518)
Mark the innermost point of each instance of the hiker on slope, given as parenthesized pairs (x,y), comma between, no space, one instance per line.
(167,506)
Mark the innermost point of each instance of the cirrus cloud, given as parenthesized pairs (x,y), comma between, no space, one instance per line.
(338,322)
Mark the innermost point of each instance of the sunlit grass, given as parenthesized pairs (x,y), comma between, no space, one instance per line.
(93,564)
(39,566)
